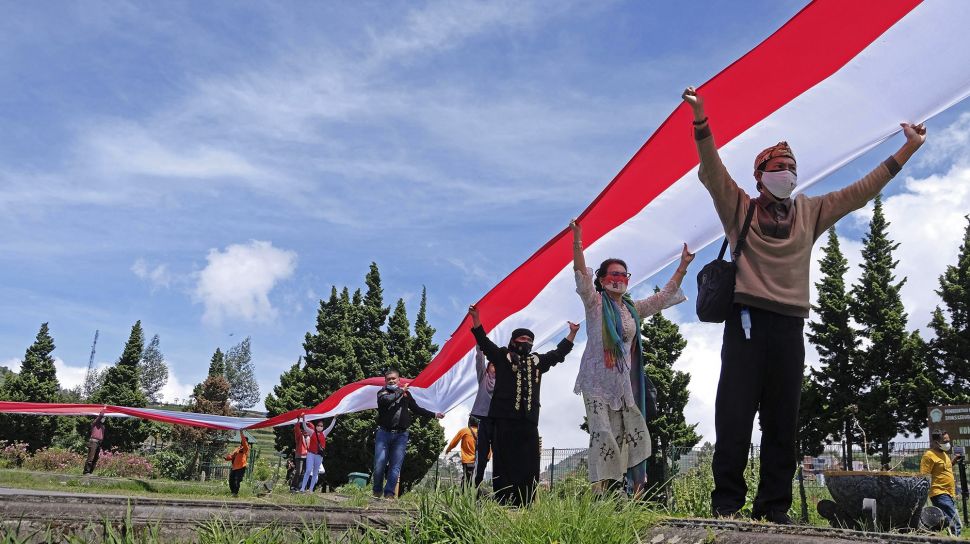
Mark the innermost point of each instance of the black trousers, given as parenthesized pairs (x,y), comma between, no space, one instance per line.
(299,465)
(94,452)
(764,375)
(236,478)
(467,474)
(515,458)
(486,430)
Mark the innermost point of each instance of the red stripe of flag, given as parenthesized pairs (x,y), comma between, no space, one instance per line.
(812,46)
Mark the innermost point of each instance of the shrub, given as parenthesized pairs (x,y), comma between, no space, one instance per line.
(169,464)
(55,460)
(13,455)
(124,465)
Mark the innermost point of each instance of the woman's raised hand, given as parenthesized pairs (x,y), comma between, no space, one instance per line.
(577,231)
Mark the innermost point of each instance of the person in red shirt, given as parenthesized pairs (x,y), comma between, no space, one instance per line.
(301,440)
(314,456)
(94,443)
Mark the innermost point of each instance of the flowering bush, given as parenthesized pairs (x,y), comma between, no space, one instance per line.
(55,460)
(123,465)
(13,455)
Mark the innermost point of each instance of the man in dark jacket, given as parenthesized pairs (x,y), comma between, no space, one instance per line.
(394,407)
(514,409)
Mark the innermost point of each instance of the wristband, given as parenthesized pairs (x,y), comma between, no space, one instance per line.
(701,122)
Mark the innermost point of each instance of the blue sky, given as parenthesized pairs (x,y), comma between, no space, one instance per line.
(151,152)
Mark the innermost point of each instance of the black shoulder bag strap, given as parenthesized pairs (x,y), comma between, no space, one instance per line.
(741,238)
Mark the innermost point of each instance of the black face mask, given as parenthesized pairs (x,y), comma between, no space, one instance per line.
(523,349)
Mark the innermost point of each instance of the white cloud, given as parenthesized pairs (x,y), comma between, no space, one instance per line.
(70,376)
(12,364)
(949,146)
(127,149)
(927,219)
(175,391)
(157,276)
(236,282)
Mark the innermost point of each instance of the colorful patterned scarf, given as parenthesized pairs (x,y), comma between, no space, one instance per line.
(613,331)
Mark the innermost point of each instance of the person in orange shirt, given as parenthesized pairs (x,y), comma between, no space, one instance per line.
(239,458)
(468,438)
(301,443)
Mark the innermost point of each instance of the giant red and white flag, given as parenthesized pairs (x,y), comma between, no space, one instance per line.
(834,81)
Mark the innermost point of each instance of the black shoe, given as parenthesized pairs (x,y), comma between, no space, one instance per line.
(778,518)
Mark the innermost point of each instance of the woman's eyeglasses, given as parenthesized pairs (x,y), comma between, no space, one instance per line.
(618,274)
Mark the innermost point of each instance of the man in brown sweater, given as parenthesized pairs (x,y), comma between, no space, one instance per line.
(763,372)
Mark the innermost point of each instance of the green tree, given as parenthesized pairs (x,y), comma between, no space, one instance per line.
(209,397)
(427,437)
(152,371)
(813,420)
(896,387)
(950,350)
(243,389)
(5,374)
(36,382)
(349,343)
(217,364)
(662,346)
(120,388)
(829,390)
(399,337)
(328,363)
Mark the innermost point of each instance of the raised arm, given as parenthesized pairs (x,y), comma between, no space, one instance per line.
(550,359)
(671,293)
(492,352)
(838,204)
(579,260)
(712,173)
(330,428)
(306,428)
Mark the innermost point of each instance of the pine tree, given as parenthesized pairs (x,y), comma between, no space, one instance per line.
(329,362)
(892,365)
(423,346)
(120,388)
(662,346)
(950,350)
(243,389)
(36,382)
(369,337)
(836,384)
(399,337)
(427,437)
(814,420)
(152,371)
(348,344)
(217,364)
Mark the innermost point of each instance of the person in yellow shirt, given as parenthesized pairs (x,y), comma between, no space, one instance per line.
(937,463)
(468,438)
(239,458)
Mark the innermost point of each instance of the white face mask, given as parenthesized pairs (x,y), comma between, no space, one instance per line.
(615,287)
(781,183)
(945,446)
